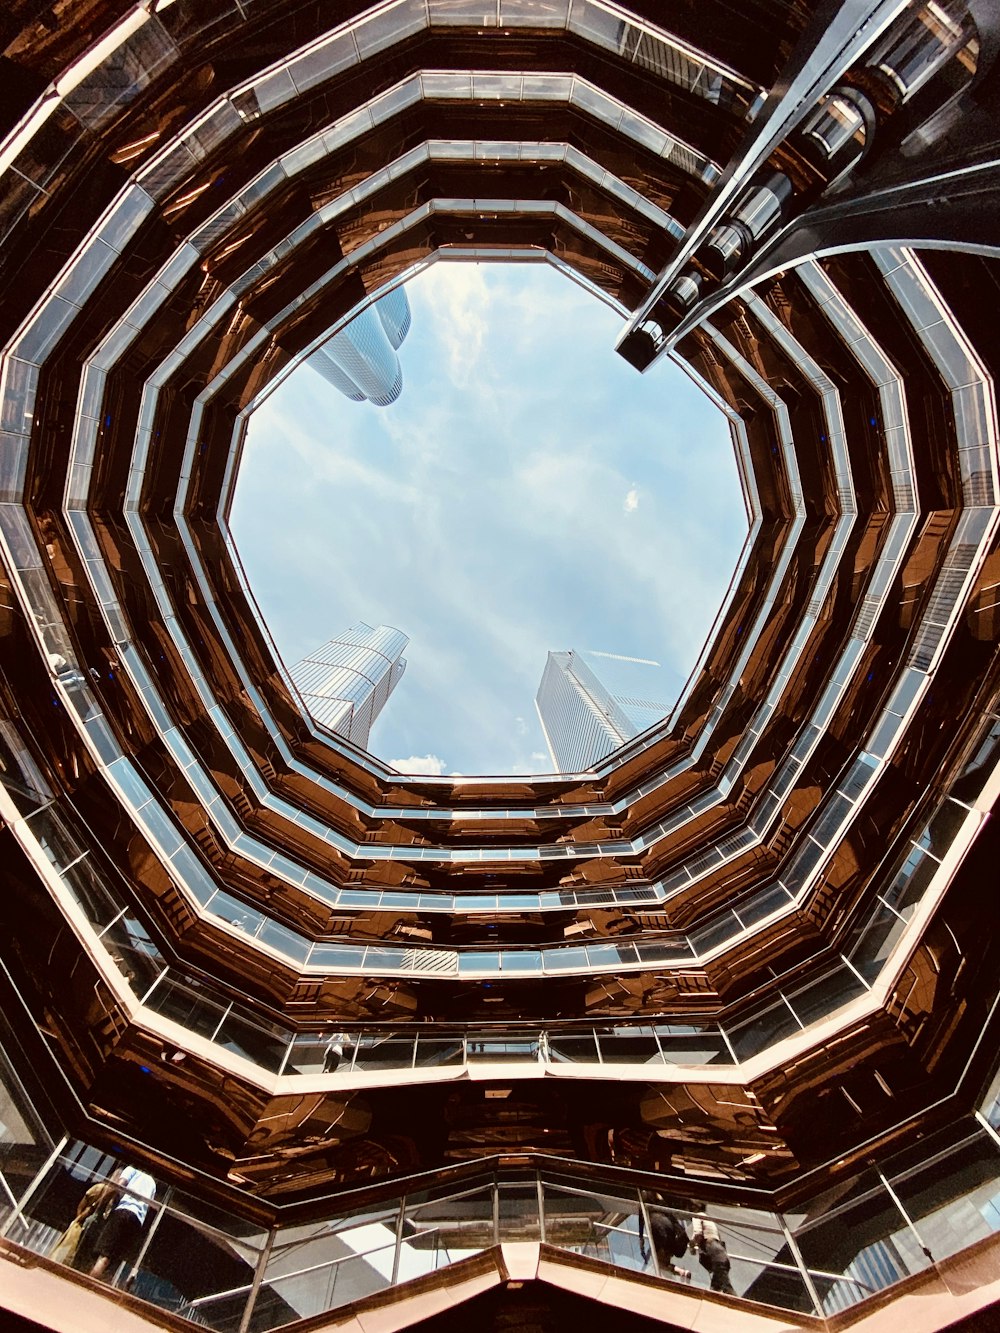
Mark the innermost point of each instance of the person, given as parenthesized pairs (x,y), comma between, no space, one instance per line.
(712,1252)
(334,1052)
(670,1241)
(71,1247)
(119,1237)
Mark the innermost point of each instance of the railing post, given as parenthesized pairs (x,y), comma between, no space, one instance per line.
(136,1263)
(400,1218)
(905,1215)
(648,1233)
(29,1193)
(803,1269)
(258,1278)
(988,1127)
(287,1055)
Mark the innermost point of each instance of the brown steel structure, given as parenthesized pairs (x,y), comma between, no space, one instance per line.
(752,957)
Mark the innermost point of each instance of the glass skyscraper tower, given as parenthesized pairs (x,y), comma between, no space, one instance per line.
(589,703)
(345,683)
(360,360)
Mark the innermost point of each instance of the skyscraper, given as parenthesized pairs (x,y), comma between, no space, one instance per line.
(362,1029)
(346,682)
(589,703)
(360,359)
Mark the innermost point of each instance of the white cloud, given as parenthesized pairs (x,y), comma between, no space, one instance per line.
(419,765)
(460,299)
(439,513)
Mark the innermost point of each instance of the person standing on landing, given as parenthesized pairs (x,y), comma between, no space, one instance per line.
(712,1252)
(121,1233)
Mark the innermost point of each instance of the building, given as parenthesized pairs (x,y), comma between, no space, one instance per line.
(360,360)
(405,1050)
(590,703)
(346,682)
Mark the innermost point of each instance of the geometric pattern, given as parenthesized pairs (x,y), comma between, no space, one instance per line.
(754,947)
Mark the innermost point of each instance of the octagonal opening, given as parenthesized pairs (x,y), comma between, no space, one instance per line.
(527,494)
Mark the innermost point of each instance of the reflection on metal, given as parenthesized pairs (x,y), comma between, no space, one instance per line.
(748,952)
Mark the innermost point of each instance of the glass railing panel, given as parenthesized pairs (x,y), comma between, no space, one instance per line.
(665,1237)
(952,1199)
(989,1107)
(22,779)
(605,1225)
(122,75)
(854,1241)
(184,1004)
(833,814)
(518,1216)
(13,464)
(284,940)
(870,944)
(235,913)
(708,937)
(943,827)
(693,1046)
(534,13)
(523,962)
(264,1044)
(335,957)
(54,836)
(980,763)
(88,889)
(200,1273)
(778,1283)
(441,1229)
(24,1143)
(574,1046)
(191,872)
(71,1217)
(910,684)
(767,1026)
(134,954)
(761,905)
(435,1051)
(323,1265)
(804,861)
(652,951)
(883,735)
(307,1053)
(632,1045)
(380,1052)
(504,1047)
(828,993)
(600,26)
(761,1264)
(472,964)
(763,812)
(908,884)
(460,1221)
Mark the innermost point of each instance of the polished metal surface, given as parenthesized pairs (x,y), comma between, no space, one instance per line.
(753,947)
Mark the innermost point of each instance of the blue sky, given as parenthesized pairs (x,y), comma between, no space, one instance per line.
(528,491)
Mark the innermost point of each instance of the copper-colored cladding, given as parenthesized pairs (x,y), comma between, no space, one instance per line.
(877,1073)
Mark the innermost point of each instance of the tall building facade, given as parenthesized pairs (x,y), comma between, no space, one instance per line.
(346,682)
(360,360)
(360,1029)
(590,703)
